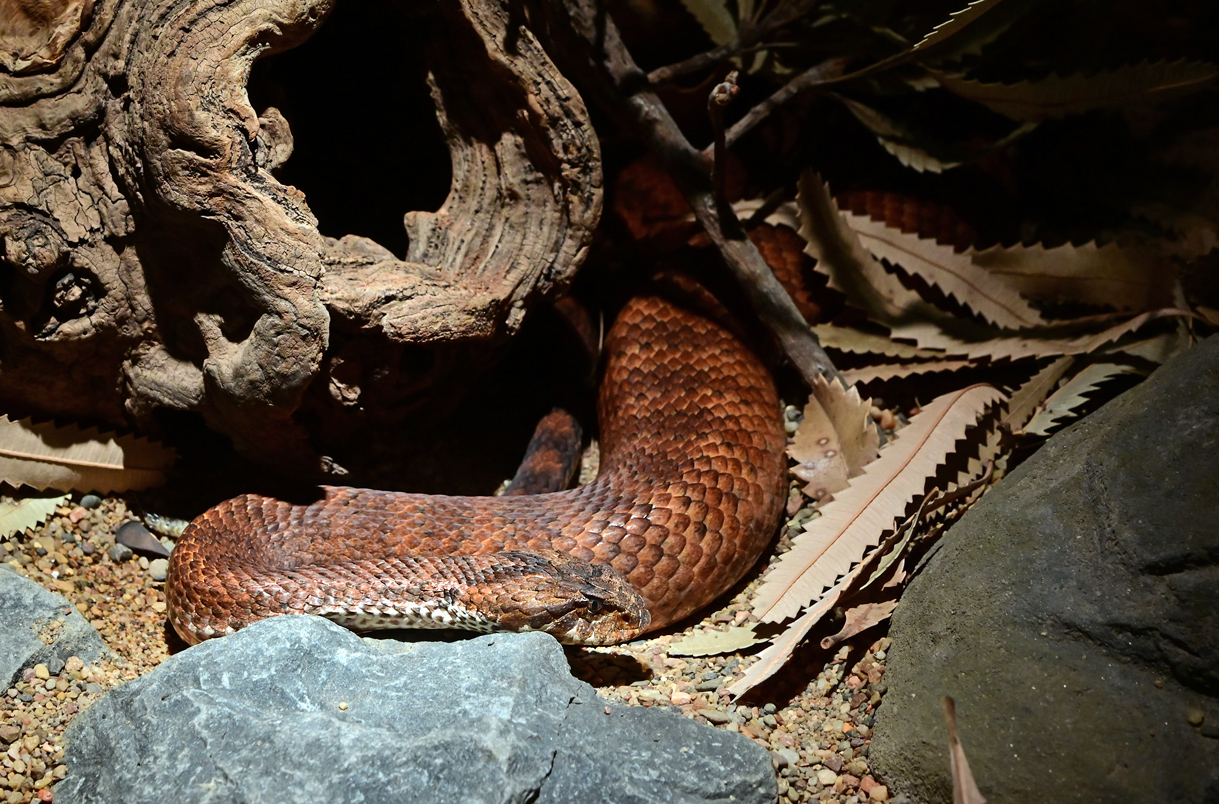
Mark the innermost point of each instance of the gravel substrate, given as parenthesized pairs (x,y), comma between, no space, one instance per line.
(818,728)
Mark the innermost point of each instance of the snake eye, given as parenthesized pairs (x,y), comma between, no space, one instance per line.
(595,604)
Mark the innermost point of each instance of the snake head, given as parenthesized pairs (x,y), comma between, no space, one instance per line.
(576,602)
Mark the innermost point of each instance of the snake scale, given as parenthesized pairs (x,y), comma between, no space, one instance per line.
(690,487)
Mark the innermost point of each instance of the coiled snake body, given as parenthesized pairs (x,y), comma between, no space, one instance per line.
(691,484)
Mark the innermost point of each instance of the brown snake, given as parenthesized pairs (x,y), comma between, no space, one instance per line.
(690,488)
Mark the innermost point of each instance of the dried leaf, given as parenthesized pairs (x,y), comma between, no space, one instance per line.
(955,274)
(775,655)
(1072,395)
(710,643)
(929,335)
(68,458)
(846,339)
(911,214)
(896,140)
(835,440)
(860,618)
(858,516)
(714,17)
(889,371)
(964,788)
(29,513)
(1122,278)
(850,267)
(818,455)
(1025,401)
(955,23)
(1058,96)
(1157,349)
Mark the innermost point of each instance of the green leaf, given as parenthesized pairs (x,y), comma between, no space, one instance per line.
(1056,96)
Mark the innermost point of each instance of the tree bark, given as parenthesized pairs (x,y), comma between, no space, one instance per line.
(152,261)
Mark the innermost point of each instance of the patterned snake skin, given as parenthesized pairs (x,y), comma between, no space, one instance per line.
(691,484)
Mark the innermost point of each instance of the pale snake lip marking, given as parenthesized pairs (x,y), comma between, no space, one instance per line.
(692,482)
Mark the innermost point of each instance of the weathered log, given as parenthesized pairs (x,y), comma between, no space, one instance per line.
(150,260)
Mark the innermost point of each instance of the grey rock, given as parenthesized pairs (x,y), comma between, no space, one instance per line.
(1073,614)
(120,553)
(27,612)
(90,501)
(256,716)
(133,534)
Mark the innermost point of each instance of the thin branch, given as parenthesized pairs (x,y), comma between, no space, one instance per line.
(721,95)
(747,39)
(827,72)
(612,74)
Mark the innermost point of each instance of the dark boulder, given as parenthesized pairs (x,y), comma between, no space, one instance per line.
(1074,615)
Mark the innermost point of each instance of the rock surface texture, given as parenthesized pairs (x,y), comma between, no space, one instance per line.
(298,709)
(1074,615)
(39,627)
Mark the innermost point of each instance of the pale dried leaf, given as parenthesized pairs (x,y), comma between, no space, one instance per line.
(1058,96)
(953,273)
(29,513)
(836,439)
(715,19)
(1157,349)
(955,23)
(818,455)
(1073,394)
(889,371)
(857,517)
(1124,278)
(889,552)
(851,268)
(847,339)
(964,788)
(710,643)
(929,336)
(67,458)
(858,619)
(776,654)
(1028,397)
(915,158)
(851,416)
(895,140)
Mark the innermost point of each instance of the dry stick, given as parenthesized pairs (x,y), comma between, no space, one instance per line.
(746,39)
(622,86)
(721,95)
(826,72)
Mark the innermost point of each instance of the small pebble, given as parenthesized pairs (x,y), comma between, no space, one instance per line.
(879,793)
(120,553)
(90,501)
(715,715)
(343,706)
(1196,717)
(41,671)
(9,733)
(826,777)
(158,569)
